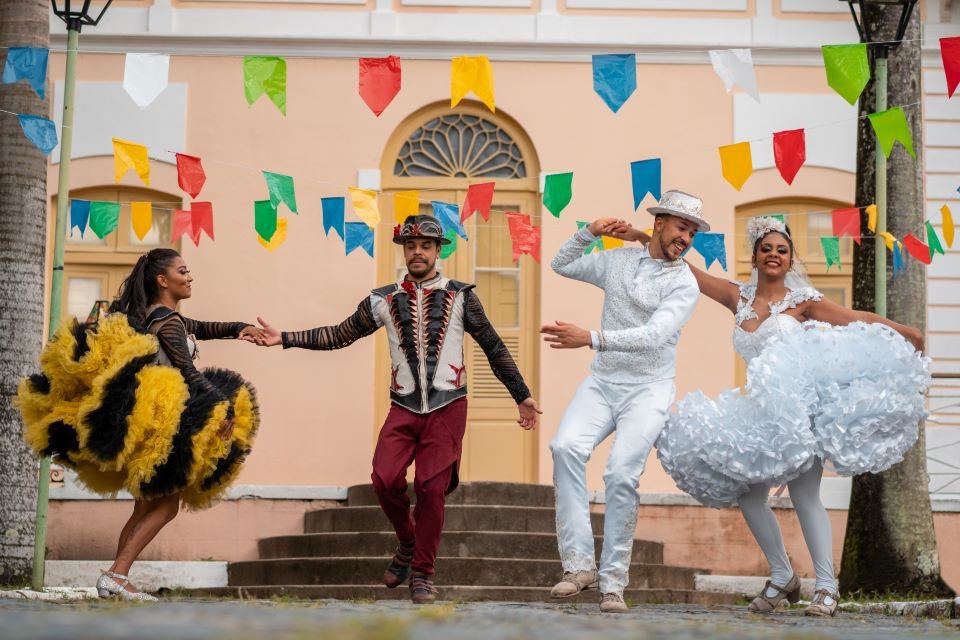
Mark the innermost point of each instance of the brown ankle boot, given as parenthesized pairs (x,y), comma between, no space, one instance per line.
(398,570)
(422,590)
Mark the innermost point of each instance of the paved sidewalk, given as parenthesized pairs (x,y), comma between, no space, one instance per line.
(183,619)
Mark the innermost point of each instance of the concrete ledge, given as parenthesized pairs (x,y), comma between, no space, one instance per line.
(147,575)
(72,491)
(746,586)
(925,609)
(53,594)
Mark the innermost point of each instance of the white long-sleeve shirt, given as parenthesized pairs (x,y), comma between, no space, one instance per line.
(645,305)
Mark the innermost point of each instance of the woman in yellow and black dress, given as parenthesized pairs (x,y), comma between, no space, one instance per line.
(121,402)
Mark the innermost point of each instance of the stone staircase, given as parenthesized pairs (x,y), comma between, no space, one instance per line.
(499,543)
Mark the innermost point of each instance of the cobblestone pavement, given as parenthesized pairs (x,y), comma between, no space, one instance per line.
(188,619)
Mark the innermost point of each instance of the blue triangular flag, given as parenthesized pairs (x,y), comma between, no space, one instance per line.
(711,247)
(79,214)
(898,266)
(40,131)
(333,215)
(645,175)
(449,216)
(615,78)
(358,234)
(27,63)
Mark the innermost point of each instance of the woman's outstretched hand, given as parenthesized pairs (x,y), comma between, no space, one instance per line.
(266,335)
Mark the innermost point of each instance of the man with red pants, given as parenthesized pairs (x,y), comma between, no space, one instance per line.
(426,316)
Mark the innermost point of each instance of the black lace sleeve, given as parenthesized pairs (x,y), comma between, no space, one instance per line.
(501,362)
(172,336)
(361,324)
(213,330)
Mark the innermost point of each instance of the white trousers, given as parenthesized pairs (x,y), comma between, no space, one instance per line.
(636,413)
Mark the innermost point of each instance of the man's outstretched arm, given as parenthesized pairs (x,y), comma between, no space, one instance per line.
(362,323)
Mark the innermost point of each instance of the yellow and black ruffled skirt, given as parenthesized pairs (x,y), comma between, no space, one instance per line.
(104,407)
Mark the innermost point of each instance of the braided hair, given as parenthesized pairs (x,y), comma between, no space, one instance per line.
(140,290)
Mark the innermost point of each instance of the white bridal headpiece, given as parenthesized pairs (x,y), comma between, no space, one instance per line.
(759,227)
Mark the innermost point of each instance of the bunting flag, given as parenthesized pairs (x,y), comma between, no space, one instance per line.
(831,251)
(950,52)
(145,76)
(27,63)
(848,69)
(79,214)
(888,240)
(365,206)
(946,223)
(281,190)
(933,241)
(596,245)
(557,192)
(610,243)
(898,266)
(846,222)
(183,223)
(711,246)
(735,66)
(104,218)
(190,174)
(472,73)
(358,234)
(405,203)
(524,236)
(917,249)
(130,155)
(736,163)
(198,218)
(279,235)
(379,82)
(42,132)
(479,198)
(645,176)
(265,75)
(891,126)
(446,250)
(615,78)
(265,219)
(333,216)
(789,152)
(871,218)
(448,215)
(141,218)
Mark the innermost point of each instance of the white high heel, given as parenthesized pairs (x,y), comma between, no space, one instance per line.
(107,586)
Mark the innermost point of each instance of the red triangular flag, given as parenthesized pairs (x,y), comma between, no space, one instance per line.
(182,223)
(790,152)
(379,82)
(847,222)
(190,174)
(479,198)
(917,249)
(525,237)
(202,215)
(950,52)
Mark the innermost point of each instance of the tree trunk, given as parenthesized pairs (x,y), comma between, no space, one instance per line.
(890,545)
(23,240)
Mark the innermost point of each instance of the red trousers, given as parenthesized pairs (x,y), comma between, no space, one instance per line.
(432,441)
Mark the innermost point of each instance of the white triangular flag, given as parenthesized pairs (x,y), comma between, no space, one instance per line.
(735,66)
(145,76)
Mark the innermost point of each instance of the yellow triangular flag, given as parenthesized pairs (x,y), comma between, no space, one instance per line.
(365,206)
(947,219)
(472,73)
(872,218)
(142,218)
(278,237)
(405,203)
(889,239)
(611,243)
(649,231)
(737,163)
(130,155)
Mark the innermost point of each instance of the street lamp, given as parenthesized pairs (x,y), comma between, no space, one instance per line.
(883,44)
(74,14)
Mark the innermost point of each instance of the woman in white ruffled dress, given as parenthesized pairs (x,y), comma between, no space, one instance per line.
(825,386)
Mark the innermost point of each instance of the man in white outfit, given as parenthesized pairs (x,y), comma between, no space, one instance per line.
(649,294)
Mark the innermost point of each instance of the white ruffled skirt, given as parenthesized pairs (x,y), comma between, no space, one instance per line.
(852,396)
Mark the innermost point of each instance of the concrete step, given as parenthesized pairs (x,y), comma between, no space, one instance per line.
(458,518)
(455,544)
(450,571)
(468,593)
(476,493)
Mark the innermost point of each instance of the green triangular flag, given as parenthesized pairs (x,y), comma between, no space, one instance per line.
(831,249)
(934,241)
(892,126)
(848,69)
(265,219)
(557,191)
(265,75)
(104,217)
(596,245)
(281,190)
(447,249)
